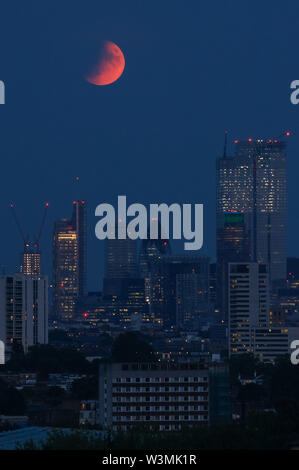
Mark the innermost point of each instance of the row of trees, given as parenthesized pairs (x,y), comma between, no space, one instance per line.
(44,359)
(262,431)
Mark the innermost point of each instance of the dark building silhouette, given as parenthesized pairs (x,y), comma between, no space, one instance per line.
(123,290)
(120,265)
(151,269)
(121,258)
(186,291)
(293,268)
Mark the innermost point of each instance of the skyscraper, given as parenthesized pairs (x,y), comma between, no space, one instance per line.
(232,244)
(23,311)
(248,304)
(186,290)
(69,261)
(120,264)
(121,259)
(254,182)
(151,269)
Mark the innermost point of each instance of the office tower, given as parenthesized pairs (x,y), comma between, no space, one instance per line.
(254,182)
(120,265)
(121,259)
(155,291)
(232,245)
(69,261)
(186,290)
(151,270)
(152,250)
(23,311)
(248,304)
(167,396)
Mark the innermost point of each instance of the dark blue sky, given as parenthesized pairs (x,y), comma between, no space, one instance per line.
(193,69)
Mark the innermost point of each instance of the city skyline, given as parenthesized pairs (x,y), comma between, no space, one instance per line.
(149,261)
(155,133)
(99,274)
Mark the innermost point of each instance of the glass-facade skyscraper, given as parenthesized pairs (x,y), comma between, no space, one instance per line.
(120,264)
(121,259)
(253,182)
(69,261)
(151,269)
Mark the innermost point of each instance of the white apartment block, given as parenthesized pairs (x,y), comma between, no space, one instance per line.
(161,395)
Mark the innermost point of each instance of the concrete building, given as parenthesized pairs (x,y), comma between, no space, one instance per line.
(23,311)
(232,243)
(248,303)
(253,326)
(163,395)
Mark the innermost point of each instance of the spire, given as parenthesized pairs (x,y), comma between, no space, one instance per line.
(225,144)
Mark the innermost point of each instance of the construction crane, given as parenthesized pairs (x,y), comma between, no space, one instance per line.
(26,239)
(36,243)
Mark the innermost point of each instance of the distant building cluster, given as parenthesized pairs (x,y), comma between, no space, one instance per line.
(197,313)
(238,300)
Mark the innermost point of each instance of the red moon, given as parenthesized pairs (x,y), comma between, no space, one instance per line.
(109,67)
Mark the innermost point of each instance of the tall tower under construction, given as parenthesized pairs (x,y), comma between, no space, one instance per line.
(30,263)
